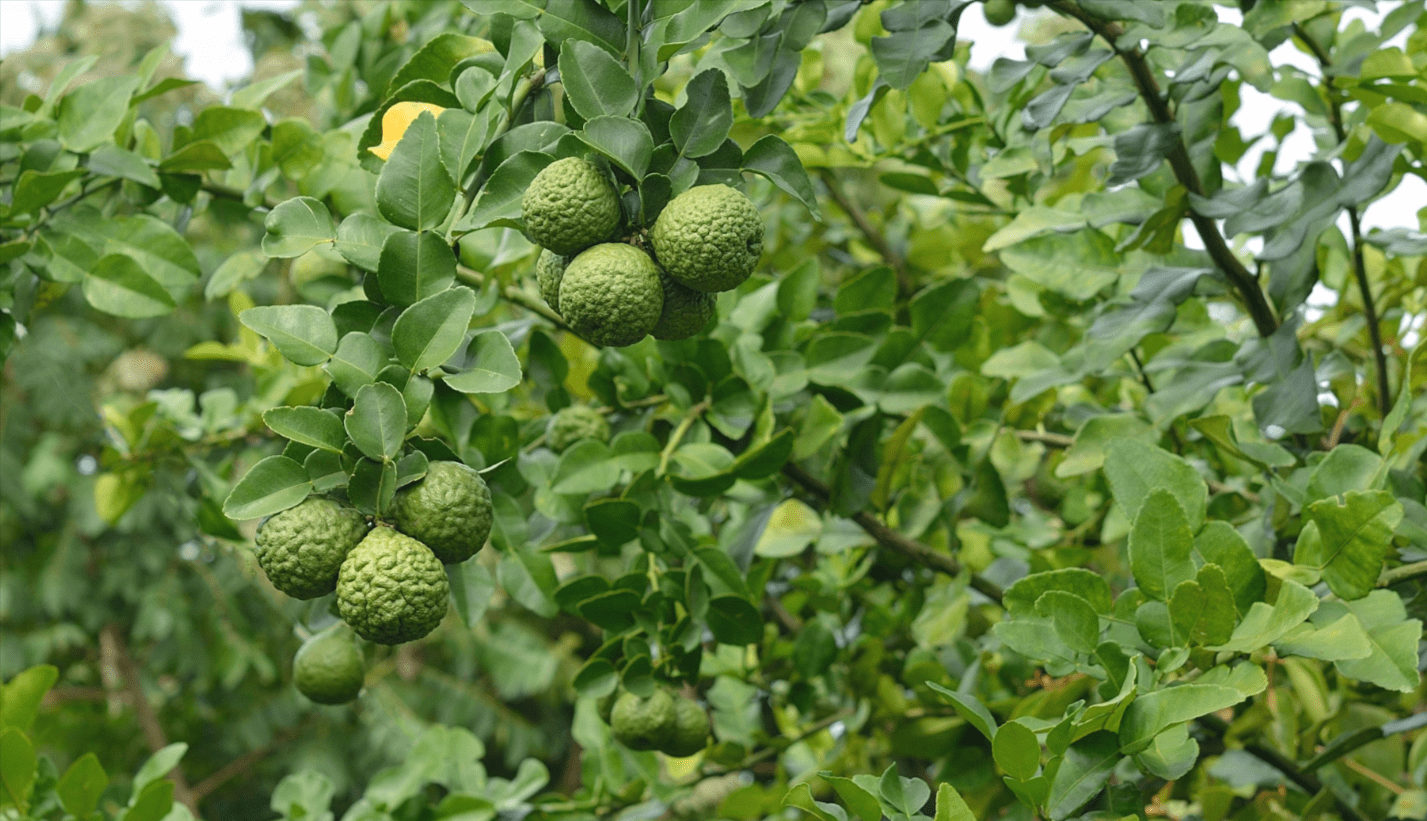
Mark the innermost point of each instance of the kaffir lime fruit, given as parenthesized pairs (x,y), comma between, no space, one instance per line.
(709,238)
(549,270)
(999,12)
(685,311)
(691,729)
(570,206)
(644,723)
(449,511)
(611,295)
(392,589)
(328,667)
(302,547)
(570,425)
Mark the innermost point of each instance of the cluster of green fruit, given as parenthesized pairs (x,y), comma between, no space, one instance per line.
(672,724)
(390,583)
(612,288)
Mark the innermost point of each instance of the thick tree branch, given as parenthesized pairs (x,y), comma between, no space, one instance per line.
(112,643)
(1360,271)
(874,237)
(1144,77)
(891,539)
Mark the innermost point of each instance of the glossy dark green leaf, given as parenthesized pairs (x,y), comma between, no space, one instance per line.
(305,334)
(414,266)
(309,426)
(414,190)
(360,238)
(595,84)
(624,141)
(702,123)
(499,200)
(271,486)
(733,620)
(430,331)
(377,421)
(773,158)
(357,361)
(372,486)
(489,365)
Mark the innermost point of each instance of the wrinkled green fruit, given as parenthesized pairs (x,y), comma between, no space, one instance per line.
(709,238)
(328,667)
(570,425)
(686,311)
(999,12)
(570,206)
(302,548)
(644,723)
(549,270)
(392,589)
(449,510)
(691,729)
(610,294)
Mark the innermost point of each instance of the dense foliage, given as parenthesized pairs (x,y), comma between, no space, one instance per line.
(1058,460)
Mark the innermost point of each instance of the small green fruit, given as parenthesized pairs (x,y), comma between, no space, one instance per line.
(999,12)
(691,729)
(392,589)
(549,270)
(570,206)
(449,510)
(610,294)
(328,667)
(644,723)
(302,548)
(685,312)
(709,238)
(570,425)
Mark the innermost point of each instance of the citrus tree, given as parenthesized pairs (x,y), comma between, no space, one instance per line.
(739,409)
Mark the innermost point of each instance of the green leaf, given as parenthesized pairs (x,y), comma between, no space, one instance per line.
(581,20)
(296,227)
(624,141)
(231,129)
(904,55)
(81,785)
(471,587)
(801,797)
(373,485)
(1219,543)
(36,189)
(595,83)
(1016,750)
(360,238)
(863,804)
(1077,266)
(950,806)
(158,248)
(814,651)
(377,421)
(89,115)
(1265,624)
(253,94)
(1140,151)
(1160,545)
(489,366)
(310,426)
(271,486)
(17,768)
(413,266)
(499,200)
(305,334)
(1158,710)
(773,158)
(414,189)
(154,803)
(1075,621)
(1087,452)
(357,361)
(791,527)
(1351,541)
(1135,469)
(157,766)
(1392,640)
(733,620)
(303,795)
(430,331)
(435,60)
(1020,598)
(234,271)
(119,285)
(1201,611)
(1170,754)
(20,697)
(585,467)
(905,796)
(614,522)
(969,708)
(529,578)
(1030,222)
(1344,468)
(1082,773)
(702,123)
(1343,639)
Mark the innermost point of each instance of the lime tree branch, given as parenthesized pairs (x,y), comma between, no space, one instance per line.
(513,295)
(1144,77)
(1398,575)
(892,540)
(527,86)
(875,238)
(1360,271)
(1298,775)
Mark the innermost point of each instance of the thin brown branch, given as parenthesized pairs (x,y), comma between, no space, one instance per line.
(114,646)
(1360,271)
(892,540)
(875,237)
(1144,78)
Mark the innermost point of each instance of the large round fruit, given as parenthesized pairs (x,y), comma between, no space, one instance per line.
(611,295)
(644,723)
(449,511)
(328,667)
(570,206)
(709,238)
(302,548)
(685,312)
(570,425)
(392,589)
(691,729)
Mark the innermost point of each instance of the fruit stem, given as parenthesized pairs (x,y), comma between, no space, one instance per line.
(687,422)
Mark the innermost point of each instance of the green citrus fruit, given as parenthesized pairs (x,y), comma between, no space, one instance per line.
(610,294)
(605,706)
(570,206)
(392,589)
(999,12)
(570,425)
(685,312)
(691,729)
(644,723)
(302,547)
(709,238)
(449,511)
(328,667)
(549,270)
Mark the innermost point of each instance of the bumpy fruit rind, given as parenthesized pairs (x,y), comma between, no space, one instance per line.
(570,425)
(685,312)
(328,667)
(570,206)
(392,589)
(709,238)
(302,548)
(396,120)
(549,270)
(643,723)
(610,294)
(449,511)
(691,729)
